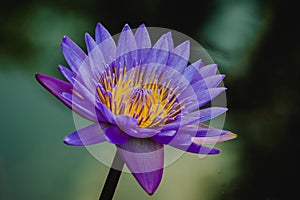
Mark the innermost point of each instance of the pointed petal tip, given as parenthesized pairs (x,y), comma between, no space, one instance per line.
(67,140)
(126,28)
(214,151)
(87,35)
(37,75)
(142,25)
(65,39)
(150,191)
(99,27)
(61,68)
(233,135)
(149,181)
(186,43)
(40,78)
(99,24)
(168,34)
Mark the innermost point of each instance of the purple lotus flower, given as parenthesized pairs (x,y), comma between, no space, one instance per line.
(139,97)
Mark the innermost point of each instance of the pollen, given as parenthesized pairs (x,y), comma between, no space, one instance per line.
(137,93)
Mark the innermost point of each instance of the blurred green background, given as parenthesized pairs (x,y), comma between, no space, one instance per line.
(255,43)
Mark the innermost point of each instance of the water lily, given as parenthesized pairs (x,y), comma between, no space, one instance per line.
(139,97)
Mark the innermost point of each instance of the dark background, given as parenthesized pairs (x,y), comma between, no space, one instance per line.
(255,43)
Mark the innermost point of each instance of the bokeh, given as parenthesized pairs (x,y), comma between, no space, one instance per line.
(255,43)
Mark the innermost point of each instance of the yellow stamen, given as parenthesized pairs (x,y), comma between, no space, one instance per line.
(134,94)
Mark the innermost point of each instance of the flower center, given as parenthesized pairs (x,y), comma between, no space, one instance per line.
(143,96)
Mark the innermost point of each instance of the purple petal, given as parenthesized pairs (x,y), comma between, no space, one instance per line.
(110,117)
(164,137)
(208,70)
(55,86)
(165,42)
(195,148)
(210,113)
(129,126)
(149,180)
(210,132)
(96,59)
(192,74)
(86,101)
(142,37)
(145,132)
(106,43)
(183,50)
(175,139)
(183,121)
(208,95)
(74,55)
(58,88)
(84,91)
(90,43)
(101,33)
(84,106)
(68,74)
(92,134)
(209,82)
(203,97)
(145,159)
(214,139)
(126,51)
(202,130)
(180,61)
(115,135)
(126,41)
(158,56)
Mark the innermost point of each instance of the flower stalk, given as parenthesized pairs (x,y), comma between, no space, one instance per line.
(112,178)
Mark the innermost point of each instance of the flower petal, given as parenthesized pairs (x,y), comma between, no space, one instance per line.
(92,134)
(210,113)
(126,41)
(145,159)
(192,74)
(208,70)
(129,126)
(208,95)
(57,88)
(115,135)
(106,43)
(110,117)
(195,148)
(90,43)
(96,58)
(203,97)
(202,130)
(165,42)
(126,51)
(74,55)
(142,37)
(155,56)
(149,180)
(214,139)
(164,137)
(170,138)
(180,61)
(67,73)
(209,82)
